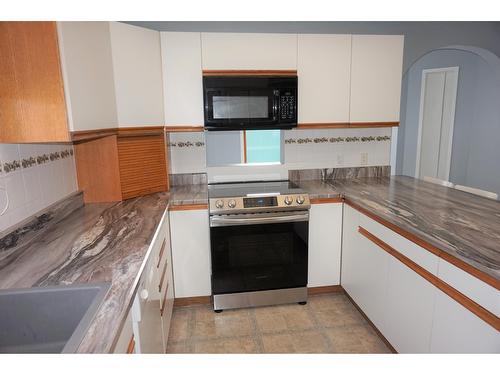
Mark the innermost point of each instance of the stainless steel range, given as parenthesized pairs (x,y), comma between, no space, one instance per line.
(259,243)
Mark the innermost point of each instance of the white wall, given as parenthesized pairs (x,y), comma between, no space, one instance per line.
(30,188)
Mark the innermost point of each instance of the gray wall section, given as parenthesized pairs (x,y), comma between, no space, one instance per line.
(476,138)
(420,37)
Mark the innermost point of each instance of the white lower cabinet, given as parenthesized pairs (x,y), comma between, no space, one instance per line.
(456,330)
(325,242)
(190,238)
(364,270)
(152,307)
(414,315)
(409,309)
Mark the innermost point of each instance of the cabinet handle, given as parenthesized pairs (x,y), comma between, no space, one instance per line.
(164,300)
(131,345)
(161,252)
(164,272)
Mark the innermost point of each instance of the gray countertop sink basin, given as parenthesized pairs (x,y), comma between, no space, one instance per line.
(47,319)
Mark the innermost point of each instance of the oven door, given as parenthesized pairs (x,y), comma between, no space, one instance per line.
(255,252)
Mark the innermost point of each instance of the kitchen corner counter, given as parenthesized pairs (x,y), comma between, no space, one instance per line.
(93,243)
(462,225)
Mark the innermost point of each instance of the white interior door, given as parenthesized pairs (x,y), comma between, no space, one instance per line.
(436,119)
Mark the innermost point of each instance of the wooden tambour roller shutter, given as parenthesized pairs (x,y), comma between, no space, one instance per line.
(143,167)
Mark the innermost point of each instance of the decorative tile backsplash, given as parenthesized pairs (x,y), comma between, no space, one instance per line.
(32,177)
(31,161)
(338,139)
(187,152)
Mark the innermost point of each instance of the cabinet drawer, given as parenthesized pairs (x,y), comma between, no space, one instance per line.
(419,255)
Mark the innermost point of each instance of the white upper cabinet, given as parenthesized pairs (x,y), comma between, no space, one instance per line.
(240,51)
(137,75)
(182,78)
(324,71)
(87,67)
(376,69)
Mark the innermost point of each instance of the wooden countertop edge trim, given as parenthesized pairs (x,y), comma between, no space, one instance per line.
(326,200)
(427,246)
(482,313)
(247,72)
(189,206)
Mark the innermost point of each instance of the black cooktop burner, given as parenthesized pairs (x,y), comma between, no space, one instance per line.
(243,189)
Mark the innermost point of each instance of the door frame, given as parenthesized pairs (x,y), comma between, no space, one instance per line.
(420,118)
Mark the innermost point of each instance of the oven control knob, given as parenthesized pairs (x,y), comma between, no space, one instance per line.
(300,199)
(231,203)
(288,201)
(219,203)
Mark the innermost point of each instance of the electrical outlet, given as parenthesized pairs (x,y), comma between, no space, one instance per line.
(340,159)
(364,158)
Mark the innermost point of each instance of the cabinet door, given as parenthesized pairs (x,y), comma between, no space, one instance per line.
(456,330)
(190,238)
(137,75)
(33,107)
(182,79)
(365,270)
(255,51)
(325,236)
(376,78)
(88,74)
(323,68)
(409,309)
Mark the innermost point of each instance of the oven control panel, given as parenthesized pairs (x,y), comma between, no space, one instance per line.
(259,203)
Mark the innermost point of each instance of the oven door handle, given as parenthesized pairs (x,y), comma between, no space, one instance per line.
(218,221)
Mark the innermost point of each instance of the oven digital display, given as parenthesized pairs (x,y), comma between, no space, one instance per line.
(260,202)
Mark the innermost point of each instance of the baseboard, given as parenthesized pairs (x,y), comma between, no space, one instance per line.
(189,301)
(379,334)
(325,289)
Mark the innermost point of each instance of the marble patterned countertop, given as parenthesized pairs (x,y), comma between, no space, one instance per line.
(72,243)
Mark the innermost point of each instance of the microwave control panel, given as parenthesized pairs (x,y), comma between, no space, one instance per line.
(287,106)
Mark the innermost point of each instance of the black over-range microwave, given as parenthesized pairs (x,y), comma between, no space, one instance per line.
(251,102)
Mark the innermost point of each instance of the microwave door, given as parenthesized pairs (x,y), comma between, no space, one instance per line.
(240,108)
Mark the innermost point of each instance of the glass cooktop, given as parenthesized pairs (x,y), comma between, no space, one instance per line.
(244,189)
